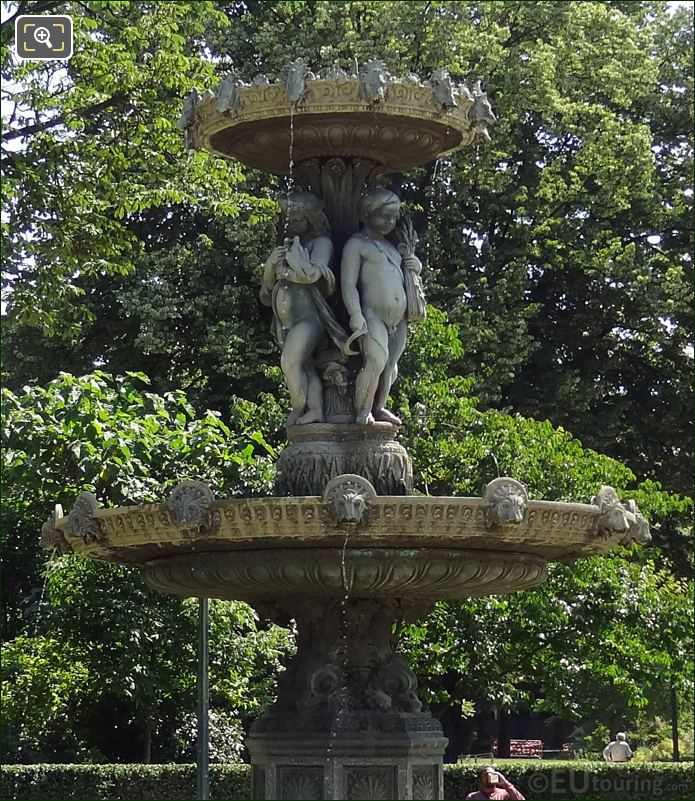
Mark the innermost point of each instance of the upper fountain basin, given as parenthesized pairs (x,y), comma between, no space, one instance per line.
(394,123)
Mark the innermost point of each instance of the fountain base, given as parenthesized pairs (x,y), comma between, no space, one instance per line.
(348,722)
(363,765)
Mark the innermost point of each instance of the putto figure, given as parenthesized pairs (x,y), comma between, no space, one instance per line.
(375,296)
(297,277)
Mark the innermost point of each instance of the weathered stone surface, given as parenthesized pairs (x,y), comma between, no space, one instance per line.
(396,124)
(507,501)
(380,766)
(82,522)
(624,519)
(347,722)
(347,497)
(51,538)
(375,293)
(191,504)
(549,530)
(297,280)
(319,453)
(283,574)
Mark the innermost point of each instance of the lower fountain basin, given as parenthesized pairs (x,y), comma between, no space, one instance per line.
(259,576)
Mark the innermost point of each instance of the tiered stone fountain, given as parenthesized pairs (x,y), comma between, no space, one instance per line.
(344,547)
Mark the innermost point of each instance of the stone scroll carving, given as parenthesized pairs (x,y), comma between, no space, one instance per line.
(191,504)
(82,524)
(506,500)
(615,516)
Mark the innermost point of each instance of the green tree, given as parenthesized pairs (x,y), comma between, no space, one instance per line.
(133,649)
(91,146)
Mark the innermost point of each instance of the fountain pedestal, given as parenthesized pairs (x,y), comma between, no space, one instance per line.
(320,452)
(362,766)
(348,722)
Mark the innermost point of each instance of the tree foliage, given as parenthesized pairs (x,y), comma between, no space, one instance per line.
(122,652)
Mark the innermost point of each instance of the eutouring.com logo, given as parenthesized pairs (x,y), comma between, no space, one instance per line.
(579,783)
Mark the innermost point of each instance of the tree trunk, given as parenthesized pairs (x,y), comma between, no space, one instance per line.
(502,733)
(674,723)
(147,743)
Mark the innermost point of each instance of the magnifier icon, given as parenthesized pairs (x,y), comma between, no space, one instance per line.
(43,36)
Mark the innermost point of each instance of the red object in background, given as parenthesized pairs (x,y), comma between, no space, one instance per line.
(525,748)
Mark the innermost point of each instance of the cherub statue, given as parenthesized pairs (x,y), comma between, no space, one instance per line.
(297,277)
(375,294)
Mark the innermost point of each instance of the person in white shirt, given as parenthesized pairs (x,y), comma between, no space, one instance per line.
(618,750)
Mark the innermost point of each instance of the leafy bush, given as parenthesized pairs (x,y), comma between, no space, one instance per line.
(226,737)
(536,780)
(127,782)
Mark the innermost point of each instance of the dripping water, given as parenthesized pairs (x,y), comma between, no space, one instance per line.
(290,174)
(46,571)
(434,197)
(343,652)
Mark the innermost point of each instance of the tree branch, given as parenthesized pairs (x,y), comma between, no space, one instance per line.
(27,8)
(89,111)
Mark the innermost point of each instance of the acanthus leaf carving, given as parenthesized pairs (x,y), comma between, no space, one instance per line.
(191,504)
(81,521)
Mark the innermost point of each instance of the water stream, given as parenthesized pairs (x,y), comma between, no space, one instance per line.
(290,173)
(430,233)
(46,571)
(342,653)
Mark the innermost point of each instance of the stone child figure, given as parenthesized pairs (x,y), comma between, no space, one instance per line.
(374,293)
(297,277)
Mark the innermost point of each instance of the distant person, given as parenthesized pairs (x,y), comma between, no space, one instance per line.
(618,750)
(493,785)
